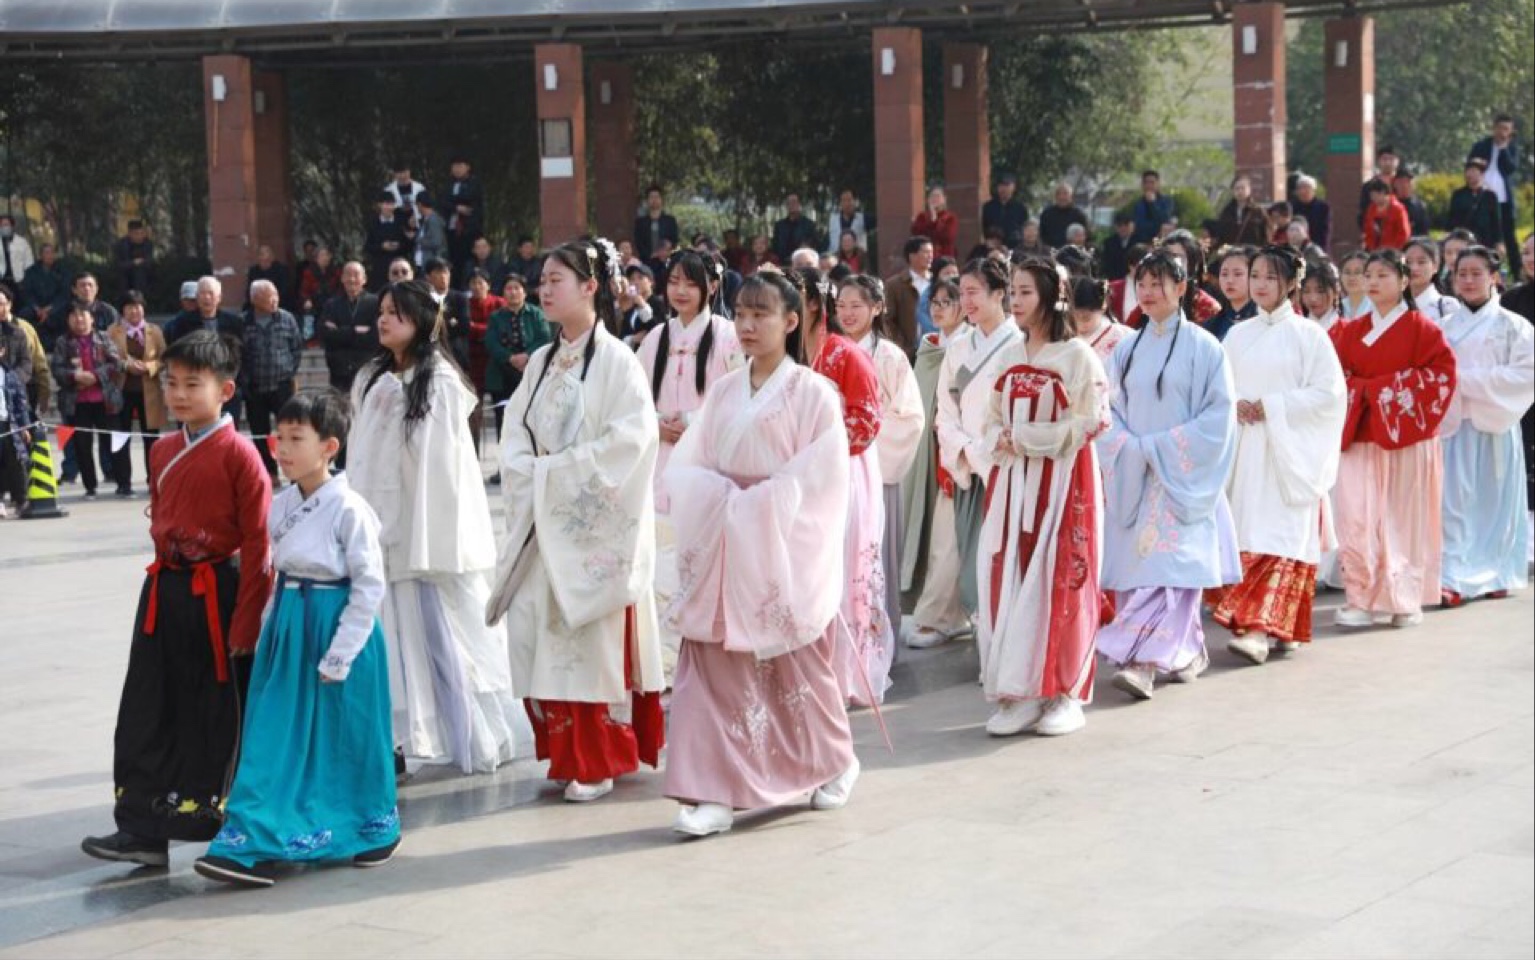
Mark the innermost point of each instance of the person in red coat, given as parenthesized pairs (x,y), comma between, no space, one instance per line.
(1386,224)
(937,224)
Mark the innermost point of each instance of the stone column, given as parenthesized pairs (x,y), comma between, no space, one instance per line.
(228,109)
(274,183)
(615,168)
(966,138)
(900,162)
(560,88)
(1258,77)
(1350,122)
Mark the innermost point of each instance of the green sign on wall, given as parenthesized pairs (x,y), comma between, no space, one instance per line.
(1344,143)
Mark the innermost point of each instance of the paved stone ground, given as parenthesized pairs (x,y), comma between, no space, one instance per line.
(1371,796)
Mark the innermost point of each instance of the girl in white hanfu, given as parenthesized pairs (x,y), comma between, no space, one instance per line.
(412,459)
(965,383)
(1486,529)
(1290,405)
(578,453)
(860,309)
(1040,606)
(757,716)
(683,357)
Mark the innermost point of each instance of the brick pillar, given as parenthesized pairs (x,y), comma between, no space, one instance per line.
(560,86)
(230,122)
(1258,76)
(274,190)
(616,171)
(966,137)
(900,161)
(1349,82)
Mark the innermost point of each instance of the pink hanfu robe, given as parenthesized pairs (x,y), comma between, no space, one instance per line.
(1400,373)
(1044,525)
(758,717)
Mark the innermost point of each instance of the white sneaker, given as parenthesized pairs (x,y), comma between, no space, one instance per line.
(834,794)
(704,820)
(577,792)
(1138,680)
(1064,717)
(1285,646)
(1196,666)
(924,638)
(1015,717)
(1251,648)
(1401,620)
(1347,616)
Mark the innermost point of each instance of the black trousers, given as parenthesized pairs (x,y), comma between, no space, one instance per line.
(178,726)
(13,469)
(92,416)
(261,411)
(1511,241)
(122,460)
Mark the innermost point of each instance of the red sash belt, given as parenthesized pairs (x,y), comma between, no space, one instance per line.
(205,584)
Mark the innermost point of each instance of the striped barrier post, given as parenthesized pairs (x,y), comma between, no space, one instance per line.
(42,488)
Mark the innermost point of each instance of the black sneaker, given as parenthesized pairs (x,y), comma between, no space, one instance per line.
(123,847)
(225,870)
(400,771)
(90,494)
(124,493)
(376,857)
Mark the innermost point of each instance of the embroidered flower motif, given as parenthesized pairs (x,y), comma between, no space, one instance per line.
(307,843)
(231,837)
(382,824)
(593,513)
(777,615)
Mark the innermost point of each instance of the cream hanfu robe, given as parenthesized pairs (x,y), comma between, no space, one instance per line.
(930,560)
(1486,528)
(965,382)
(678,391)
(578,453)
(1285,465)
(757,713)
(900,432)
(1043,531)
(448,675)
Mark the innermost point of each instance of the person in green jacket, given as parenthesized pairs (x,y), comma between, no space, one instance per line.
(514,333)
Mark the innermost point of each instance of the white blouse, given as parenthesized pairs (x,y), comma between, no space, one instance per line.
(332,535)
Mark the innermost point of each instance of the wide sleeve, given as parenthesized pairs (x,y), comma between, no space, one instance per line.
(759,573)
(1405,407)
(253,502)
(1496,396)
(1085,417)
(1192,460)
(859,385)
(947,424)
(358,533)
(449,526)
(593,502)
(517,457)
(1303,424)
(902,420)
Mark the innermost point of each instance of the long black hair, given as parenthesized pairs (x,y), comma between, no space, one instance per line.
(1393,260)
(1194,273)
(816,289)
(772,290)
(703,272)
(1285,261)
(592,258)
(414,302)
(1324,274)
(872,289)
(1052,304)
(1159,264)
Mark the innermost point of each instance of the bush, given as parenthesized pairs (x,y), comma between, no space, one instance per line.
(1190,206)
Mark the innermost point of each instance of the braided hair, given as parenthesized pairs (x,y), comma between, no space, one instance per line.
(1160,265)
(703,272)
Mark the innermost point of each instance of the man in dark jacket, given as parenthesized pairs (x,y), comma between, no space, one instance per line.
(464,206)
(654,225)
(82,291)
(1417,211)
(793,231)
(43,286)
(1475,208)
(455,307)
(1304,203)
(1152,210)
(268,267)
(386,239)
(208,315)
(1056,218)
(134,257)
(1006,212)
(349,327)
(1502,156)
(1114,257)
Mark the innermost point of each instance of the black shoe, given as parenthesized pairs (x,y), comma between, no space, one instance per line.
(124,493)
(90,494)
(228,871)
(123,847)
(376,857)
(68,479)
(495,479)
(399,764)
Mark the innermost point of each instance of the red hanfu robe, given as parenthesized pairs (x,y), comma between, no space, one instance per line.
(179,718)
(1400,373)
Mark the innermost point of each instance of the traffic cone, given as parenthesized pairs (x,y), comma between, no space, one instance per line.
(43,489)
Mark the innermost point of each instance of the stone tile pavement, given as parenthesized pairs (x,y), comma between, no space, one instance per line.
(1371,797)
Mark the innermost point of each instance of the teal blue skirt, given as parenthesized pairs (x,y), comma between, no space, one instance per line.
(315,779)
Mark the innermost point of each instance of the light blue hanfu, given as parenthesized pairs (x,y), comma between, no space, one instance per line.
(1486,526)
(1165,457)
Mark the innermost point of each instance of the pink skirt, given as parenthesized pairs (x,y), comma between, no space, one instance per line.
(1387,509)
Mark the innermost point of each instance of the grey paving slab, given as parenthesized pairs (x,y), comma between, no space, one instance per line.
(1373,796)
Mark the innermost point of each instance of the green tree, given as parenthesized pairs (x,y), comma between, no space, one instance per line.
(1441,74)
